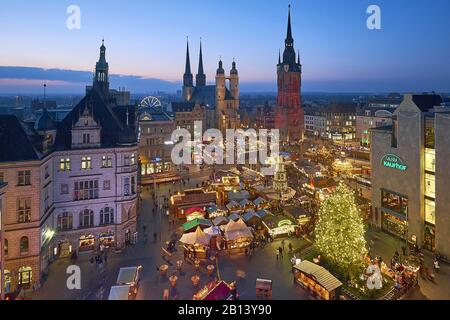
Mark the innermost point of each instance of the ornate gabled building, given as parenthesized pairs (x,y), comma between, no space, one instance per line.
(72,185)
(221,102)
(289,112)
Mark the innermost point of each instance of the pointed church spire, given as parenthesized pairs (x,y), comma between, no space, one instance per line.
(200,79)
(279,56)
(298,57)
(188,59)
(101,74)
(188,78)
(289,29)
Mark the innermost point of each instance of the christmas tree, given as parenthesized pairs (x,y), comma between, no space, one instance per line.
(340,232)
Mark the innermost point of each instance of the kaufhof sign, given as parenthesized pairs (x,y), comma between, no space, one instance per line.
(394,162)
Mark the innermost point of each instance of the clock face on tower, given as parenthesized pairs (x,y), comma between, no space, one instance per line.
(286,68)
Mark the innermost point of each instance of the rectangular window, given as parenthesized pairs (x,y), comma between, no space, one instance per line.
(430,160)
(106,185)
(24,210)
(86,163)
(394,202)
(133,159)
(430,207)
(133,185)
(64,189)
(430,185)
(126,186)
(86,138)
(126,160)
(64,164)
(85,190)
(24,178)
(107,162)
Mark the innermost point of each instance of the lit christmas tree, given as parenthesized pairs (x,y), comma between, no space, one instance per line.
(340,232)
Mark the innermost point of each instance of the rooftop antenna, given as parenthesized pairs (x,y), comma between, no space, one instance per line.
(45,94)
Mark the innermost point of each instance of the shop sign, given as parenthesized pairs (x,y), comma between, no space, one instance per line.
(284,223)
(394,162)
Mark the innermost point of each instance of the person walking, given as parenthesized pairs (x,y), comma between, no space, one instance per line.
(280,250)
(277,253)
(155,236)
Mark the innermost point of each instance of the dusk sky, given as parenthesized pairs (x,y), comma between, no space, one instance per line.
(148,38)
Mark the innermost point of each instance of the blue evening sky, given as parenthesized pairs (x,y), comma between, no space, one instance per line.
(147,38)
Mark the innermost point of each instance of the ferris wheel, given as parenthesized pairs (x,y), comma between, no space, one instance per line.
(150,102)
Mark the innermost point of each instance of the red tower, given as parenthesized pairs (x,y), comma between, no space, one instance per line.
(289,111)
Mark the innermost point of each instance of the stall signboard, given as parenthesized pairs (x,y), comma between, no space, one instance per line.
(394,162)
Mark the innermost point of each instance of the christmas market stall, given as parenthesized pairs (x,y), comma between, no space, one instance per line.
(215,211)
(317,280)
(192,225)
(238,236)
(217,290)
(279,226)
(233,206)
(194,213)
(234,217)
(260,203)
(246,205)
(254,219)
(220,221)
(196,244)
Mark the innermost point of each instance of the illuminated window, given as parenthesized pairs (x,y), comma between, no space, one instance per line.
(24,210)
(64,164)
(24,178)
(430,207)
(86,163)
(430,185)
(430,160)
(106,162)
(24,245)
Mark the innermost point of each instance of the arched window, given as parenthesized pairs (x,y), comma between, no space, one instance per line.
(24,245)
(107,216)
(65,221)
(86,218)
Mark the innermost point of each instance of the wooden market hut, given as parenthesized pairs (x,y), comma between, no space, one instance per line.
(238,236)
(317,280)
(197,241)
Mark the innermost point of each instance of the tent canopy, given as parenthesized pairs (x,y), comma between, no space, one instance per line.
(237,230)
(197,237)
(213,231)
(193,224)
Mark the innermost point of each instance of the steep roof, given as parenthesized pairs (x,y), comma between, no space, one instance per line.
(183,106)
(113,131)
(15,144)
(45,122)
(425,102)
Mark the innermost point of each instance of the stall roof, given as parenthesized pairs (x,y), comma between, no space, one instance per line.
(232,205)
(215,291)
(245,202)
(238,196)
(259,201)
(127,275)
(220,221)
(119,293)
(194,209)
(319,274)
(197,237)
(193,224)
(262,213)
(234,217)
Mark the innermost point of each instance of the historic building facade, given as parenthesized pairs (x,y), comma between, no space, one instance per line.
(289,112)
(220,101)
(155,146)
(72,185)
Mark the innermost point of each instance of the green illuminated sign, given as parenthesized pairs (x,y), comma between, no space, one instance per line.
(284,223)
(394,162)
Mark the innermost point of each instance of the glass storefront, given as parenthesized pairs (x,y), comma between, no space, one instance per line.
(430,185)
(25,276)
(86,243)
(395,226)
(429,239)
(394,202)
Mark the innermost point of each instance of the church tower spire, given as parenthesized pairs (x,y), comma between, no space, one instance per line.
(101,76)
(188,79)
(289,52)
(200,79)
